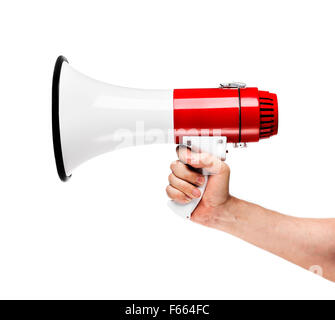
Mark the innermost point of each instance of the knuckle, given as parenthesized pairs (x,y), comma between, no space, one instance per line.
(173,165)
(170,177)
(182,154)
(167,190)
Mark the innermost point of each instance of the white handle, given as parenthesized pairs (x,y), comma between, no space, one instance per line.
(213,145)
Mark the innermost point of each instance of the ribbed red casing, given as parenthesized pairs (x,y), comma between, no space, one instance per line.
(242,115)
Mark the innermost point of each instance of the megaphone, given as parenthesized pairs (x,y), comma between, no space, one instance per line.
(90,118)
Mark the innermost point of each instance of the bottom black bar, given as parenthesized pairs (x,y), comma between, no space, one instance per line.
(153,309)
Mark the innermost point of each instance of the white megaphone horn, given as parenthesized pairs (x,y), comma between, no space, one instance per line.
(90,118)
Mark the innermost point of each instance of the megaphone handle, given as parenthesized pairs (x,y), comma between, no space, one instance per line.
(214,145)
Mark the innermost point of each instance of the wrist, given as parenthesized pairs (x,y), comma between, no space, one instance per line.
(218,217)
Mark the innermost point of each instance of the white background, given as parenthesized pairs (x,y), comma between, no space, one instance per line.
(108,232)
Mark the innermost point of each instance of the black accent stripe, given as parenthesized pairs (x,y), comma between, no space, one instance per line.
(266,103)
(240,115)
(266,99)
(270,121)
(267,115)
(55,119)
(267,109)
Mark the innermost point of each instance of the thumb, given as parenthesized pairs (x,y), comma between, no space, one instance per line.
(201,160)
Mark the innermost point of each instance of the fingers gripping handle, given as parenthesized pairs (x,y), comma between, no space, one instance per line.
(216,146)
(185,210)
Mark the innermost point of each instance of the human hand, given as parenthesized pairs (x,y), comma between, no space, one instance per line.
(183,183)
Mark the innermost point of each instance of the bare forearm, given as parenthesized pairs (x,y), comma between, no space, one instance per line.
(306,242)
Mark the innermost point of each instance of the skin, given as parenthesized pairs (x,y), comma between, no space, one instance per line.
(309,243)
